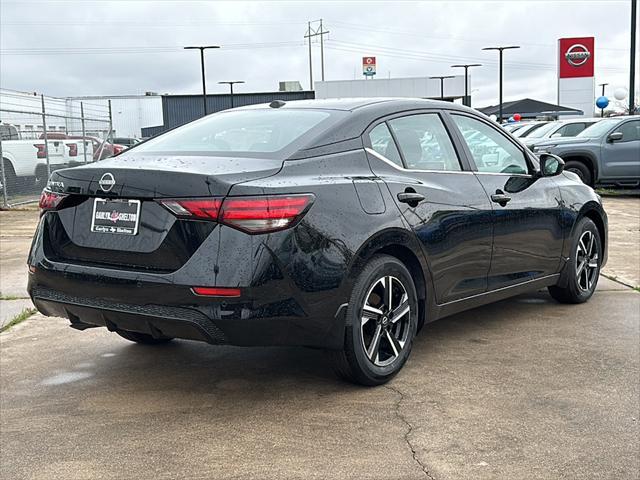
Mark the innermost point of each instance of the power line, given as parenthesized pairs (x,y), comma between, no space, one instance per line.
(355,26)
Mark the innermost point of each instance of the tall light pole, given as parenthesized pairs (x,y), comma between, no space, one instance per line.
(466,66)
(602,85)
(501,50)
(204,85)
(231,83)
(441,78)
(632,58)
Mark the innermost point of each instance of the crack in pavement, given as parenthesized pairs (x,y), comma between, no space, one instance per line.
(408,432)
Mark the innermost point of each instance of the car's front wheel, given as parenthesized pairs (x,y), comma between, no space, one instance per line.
(583,266)
(382,318)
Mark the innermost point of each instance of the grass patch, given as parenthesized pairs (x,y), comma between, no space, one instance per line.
(607,191)
(12,297)
(22,316)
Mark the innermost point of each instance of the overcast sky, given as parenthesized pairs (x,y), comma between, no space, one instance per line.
(69,48)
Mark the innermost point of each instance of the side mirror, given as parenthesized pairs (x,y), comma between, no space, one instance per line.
(614,137)
(550,165)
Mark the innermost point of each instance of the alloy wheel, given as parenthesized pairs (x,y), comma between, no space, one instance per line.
(385,321)
(586,261)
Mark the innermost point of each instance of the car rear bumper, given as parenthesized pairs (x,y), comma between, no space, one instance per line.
(262,316)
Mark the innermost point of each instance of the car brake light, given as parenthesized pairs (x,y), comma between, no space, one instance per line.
(73,149)
(199,208)
(256,214)
(50,200)
(264,213)
(41,153)
(216,291)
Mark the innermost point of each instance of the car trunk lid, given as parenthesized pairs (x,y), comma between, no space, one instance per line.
(146,177)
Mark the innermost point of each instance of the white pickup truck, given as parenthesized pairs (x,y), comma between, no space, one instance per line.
(25,161)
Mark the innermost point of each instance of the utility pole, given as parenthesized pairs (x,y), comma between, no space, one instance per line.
(84,134)
(204,84)
(501,50)
(632,57)
(318,32)
(602,85)
(442,77)
(231,83)
(467,99)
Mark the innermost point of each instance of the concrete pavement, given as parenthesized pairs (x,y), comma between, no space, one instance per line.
(624,239)
(525,388)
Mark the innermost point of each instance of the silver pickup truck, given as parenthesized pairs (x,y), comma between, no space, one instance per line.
(605,153)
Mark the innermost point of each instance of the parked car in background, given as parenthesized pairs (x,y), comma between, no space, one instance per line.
(512,127)
(25,161)
(559,128)
(528,129)
(125,141)
(101,148)
(606,152)
(338,224)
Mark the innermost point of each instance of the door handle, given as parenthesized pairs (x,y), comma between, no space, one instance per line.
(500,197)
(412,198)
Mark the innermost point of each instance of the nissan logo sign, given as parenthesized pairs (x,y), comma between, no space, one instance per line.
(577,55)
(106,182)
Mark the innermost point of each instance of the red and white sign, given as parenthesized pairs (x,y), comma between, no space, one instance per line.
(575,57)
(368,66)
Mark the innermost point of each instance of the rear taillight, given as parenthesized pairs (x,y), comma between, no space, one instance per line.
(73,149)
(50,200)
(264,214)
(41,153)
(196,208)
(257,214)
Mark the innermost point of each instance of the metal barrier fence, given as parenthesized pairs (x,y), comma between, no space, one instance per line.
(40,134)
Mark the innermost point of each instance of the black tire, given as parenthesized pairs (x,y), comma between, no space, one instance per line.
(580,288)
(11,185)
(142,338)
(353,363)
(581,170)
(42,178)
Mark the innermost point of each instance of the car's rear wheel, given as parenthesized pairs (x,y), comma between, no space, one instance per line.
(142,338)
(382,319)
(584,265)
(581,170)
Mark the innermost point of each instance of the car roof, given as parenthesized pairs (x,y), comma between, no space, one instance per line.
(351,104)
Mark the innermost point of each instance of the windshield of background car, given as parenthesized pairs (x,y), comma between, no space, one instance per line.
(543,130)
(265,132)
(598,129)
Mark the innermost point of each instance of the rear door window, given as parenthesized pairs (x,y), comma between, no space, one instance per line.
(425,143)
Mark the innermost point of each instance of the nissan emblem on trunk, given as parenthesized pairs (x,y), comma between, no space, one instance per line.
(106,182)
(577,55)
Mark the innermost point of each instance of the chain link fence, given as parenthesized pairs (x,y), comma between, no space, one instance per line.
(40,134)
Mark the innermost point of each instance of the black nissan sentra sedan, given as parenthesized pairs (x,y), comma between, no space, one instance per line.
(339,224)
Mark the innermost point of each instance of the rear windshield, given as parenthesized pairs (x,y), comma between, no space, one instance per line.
(240,133)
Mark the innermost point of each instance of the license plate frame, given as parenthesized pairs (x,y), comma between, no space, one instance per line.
(110,224)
